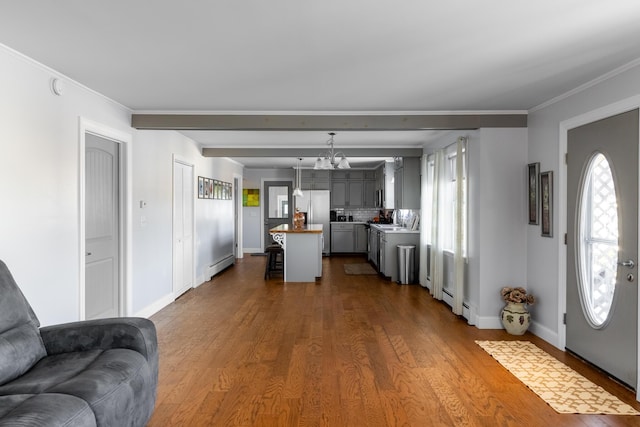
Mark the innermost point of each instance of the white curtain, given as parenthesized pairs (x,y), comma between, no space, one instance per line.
(459,226)
(437,283)
(445,217)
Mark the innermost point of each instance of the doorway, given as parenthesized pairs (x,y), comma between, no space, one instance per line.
(278,207)
(183,227)
(102,228)
(602,244)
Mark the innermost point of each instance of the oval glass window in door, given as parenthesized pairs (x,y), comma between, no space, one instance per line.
(597,244)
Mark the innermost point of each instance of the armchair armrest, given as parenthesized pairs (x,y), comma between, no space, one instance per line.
(129,332)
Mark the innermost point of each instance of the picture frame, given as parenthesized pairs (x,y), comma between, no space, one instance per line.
(251,197)
(546,203)
(206,188)
(200,187)
(533,189)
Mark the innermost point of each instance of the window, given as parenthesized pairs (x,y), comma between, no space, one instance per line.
(598,241)
(450,201)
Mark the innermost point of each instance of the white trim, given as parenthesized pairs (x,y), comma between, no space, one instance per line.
(155,307)
(175,158)
(238,215)
(62,77)
(252,250)
(126,190)
(609,75)
(564,128)
(333,113)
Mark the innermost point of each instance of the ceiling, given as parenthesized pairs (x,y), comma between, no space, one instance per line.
(334,56)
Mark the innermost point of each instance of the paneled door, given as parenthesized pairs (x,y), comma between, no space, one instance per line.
(278,206)
(183,199)
(102,228)
(602,244)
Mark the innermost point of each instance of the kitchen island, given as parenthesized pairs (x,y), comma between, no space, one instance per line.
(302,251)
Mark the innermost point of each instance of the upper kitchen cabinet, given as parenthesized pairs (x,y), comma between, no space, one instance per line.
(315,179)
(353,189)
(407,183)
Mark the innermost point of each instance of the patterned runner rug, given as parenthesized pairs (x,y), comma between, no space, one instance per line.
(360,268)
(561,387)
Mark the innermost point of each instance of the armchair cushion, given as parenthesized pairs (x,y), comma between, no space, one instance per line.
(20,343)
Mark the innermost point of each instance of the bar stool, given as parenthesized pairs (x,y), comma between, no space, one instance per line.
(275,260)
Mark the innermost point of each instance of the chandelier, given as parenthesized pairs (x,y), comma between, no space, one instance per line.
(328,159)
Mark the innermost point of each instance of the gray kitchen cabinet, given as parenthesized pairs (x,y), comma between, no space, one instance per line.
(338,193)
(342,238)
(355,194)
(353,189)
(315,179)
(361,238)
(407,184)
(369,196)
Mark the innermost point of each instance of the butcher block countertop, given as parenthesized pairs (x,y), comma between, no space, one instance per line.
(287,228)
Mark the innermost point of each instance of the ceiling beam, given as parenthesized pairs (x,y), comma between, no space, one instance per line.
(336,122)
(309,152)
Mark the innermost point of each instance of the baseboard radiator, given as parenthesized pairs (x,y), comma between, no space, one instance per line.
(216,268)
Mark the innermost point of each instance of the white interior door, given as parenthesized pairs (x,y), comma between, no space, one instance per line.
(102,228)
(602,244)
(183,197)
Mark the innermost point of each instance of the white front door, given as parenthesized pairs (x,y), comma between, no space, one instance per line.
(102,228)
(183,198)
(602,244)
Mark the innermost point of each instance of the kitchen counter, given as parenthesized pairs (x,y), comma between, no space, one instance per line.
(287,228)
(391,228)
(349,222)
(302,251)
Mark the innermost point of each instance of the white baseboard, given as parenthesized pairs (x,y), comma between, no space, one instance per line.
(155,307)
(252,250)
(488,322)
(545,333)
(216,268)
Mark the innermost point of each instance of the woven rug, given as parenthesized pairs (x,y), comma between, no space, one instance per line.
(362,268)
(561,387)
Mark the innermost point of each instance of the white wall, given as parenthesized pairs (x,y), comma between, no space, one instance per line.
(497,255)
(496,218)
(39,193)
(39,178)
(153,154)
(545,255)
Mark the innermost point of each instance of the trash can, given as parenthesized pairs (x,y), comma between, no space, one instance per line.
(406,264)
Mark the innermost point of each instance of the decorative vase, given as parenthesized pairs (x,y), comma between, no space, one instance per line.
(515,318)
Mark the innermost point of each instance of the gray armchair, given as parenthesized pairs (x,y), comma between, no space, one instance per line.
(92,373)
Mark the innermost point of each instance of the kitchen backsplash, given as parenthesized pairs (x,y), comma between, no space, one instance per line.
(402,217)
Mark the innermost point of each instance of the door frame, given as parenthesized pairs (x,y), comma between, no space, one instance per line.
(262,204)
(177,159)
(565,126)
(125,272)
(237,215)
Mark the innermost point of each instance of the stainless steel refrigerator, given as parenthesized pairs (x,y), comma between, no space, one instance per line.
(315,203)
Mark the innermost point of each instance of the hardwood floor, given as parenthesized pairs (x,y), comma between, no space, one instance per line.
(344,351)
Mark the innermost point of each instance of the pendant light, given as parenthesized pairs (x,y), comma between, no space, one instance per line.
(297,192)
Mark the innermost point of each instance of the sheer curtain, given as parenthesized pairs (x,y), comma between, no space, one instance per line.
(449,184)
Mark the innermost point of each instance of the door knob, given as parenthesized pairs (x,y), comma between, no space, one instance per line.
(628,263)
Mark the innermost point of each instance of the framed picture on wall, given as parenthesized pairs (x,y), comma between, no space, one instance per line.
(546,203)
(206,188)
(533,170)
(200,187)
